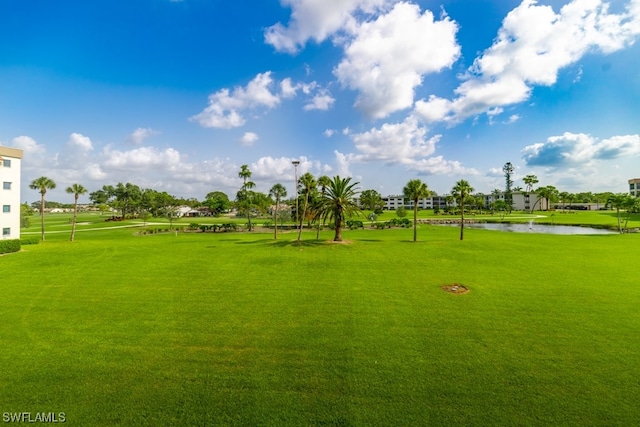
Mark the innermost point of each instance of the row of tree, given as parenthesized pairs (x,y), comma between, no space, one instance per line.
(317,200)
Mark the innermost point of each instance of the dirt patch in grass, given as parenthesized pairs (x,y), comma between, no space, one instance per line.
(343,242)
(455,288)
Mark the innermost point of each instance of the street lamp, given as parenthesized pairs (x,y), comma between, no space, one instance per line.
(295,164)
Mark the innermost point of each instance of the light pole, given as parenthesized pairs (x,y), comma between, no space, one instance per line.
(295,164)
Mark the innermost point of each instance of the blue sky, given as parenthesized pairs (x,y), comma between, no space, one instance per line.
(177,95)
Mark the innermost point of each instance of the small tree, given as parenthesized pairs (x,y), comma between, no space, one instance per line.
(462,192)
(277,192)
(42,184)
(77,190)
(244,195)
(307,184)
(415,190)
(323,182)
(25,215)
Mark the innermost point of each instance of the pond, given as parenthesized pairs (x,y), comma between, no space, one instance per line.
(539,228)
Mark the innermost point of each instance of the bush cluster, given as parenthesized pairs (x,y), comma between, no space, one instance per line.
(29,241)
(8,246)
(394,222)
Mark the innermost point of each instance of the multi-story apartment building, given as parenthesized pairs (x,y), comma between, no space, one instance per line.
(394,202)
(10,159)
(634,187)
(521,201)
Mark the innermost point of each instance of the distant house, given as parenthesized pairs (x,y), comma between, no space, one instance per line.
(10,159)
(634,187)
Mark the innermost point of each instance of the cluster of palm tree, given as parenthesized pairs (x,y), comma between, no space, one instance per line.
(43,184)
(323,199)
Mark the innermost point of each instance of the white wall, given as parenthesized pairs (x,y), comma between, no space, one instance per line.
(10,197)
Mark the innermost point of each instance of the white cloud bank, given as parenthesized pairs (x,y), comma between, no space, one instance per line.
(572,149)
(533,44)
(227,108)
(387,58)
(316,20)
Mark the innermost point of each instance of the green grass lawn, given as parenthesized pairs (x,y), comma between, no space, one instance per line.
(239,329)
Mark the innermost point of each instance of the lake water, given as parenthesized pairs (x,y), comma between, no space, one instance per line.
(538,228)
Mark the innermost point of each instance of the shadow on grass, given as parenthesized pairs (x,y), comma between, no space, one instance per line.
(301,244)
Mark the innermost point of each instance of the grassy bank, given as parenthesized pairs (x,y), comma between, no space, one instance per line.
(238,329)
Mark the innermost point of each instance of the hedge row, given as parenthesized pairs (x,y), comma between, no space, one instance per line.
(8,246)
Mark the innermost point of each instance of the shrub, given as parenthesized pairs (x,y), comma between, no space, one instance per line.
(401,212)
(354,223)
(8,246)
(29,241)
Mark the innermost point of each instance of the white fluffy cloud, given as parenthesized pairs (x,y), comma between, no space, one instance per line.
(572,149)
(139,135)
(394,143)
(533,44)
(321,101)
(404,143)
(226,107)
(281,169)
(315,20)
(141,158)
(249,138)
(387,58)
(80,142)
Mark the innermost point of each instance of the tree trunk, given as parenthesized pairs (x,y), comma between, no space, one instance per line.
(462,221)
(75,216)
(338,225)
(415,220)
(275,223)
(42,215)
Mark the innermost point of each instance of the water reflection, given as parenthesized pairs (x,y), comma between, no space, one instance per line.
(539,228)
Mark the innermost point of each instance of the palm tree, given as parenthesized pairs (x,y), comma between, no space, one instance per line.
(277,192)
(623,201)
(307,182)
(77,190)
(462,192)
(549,193)
(245,174)
(415,190)
(322,182)
(42,184)
(338,203)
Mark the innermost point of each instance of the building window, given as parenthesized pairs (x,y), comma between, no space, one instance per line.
(6,163)
(6,186)
(6,208)
(6,231)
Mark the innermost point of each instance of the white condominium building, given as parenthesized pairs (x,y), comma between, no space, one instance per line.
(10,159)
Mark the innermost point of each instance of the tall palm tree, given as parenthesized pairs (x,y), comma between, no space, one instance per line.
(415,190)
(322,182)
(77,190)
(307,184)
(462,191)
(42,184)
(245,174)
(338,203)
(277,192)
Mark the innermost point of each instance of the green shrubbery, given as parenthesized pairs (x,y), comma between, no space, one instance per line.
(8,246)
(29,241)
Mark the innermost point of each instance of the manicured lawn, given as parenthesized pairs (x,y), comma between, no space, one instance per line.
(238,329)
